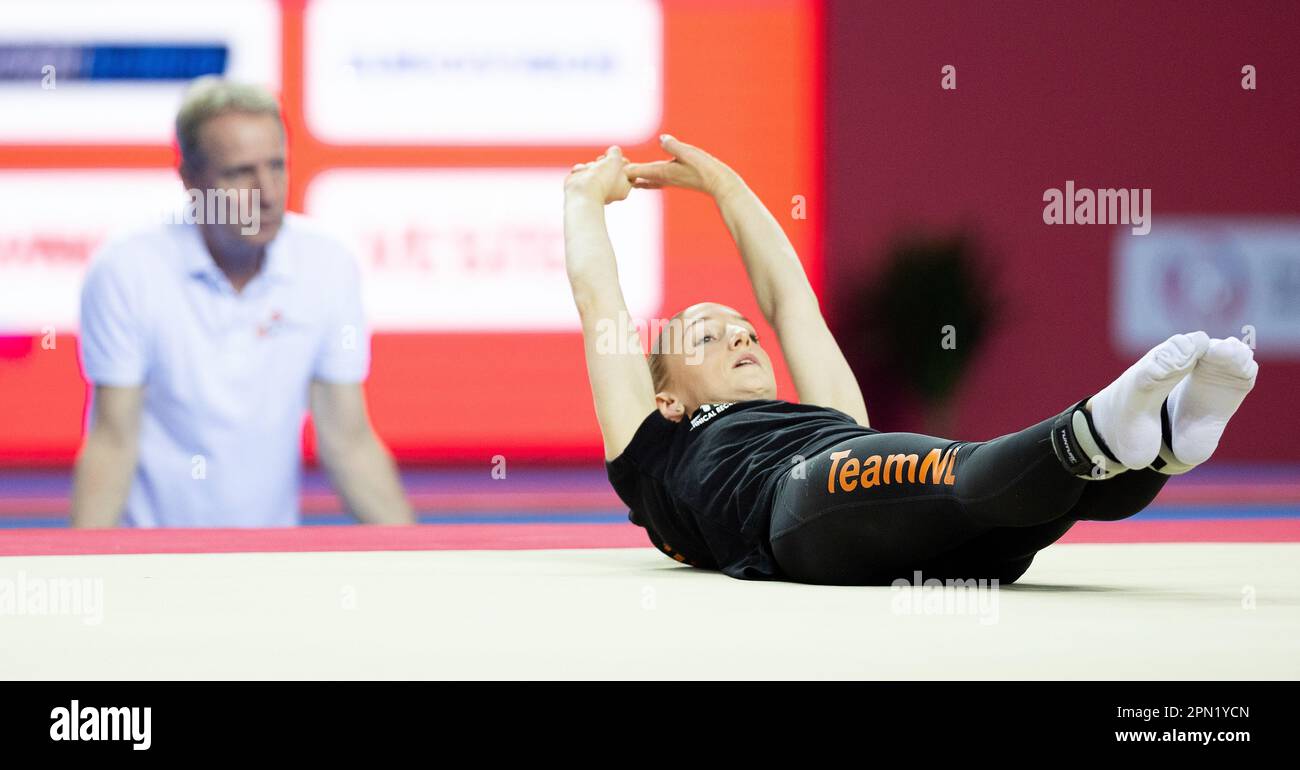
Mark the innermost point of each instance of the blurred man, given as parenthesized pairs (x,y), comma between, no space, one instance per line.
(206,343)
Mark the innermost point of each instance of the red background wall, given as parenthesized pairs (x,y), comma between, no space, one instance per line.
(1108,94)
(742,79)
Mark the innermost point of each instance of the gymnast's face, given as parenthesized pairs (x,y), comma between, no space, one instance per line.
(712,355)
(240,153)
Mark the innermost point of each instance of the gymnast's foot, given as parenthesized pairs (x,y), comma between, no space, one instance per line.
(1201,405)
(1126,413)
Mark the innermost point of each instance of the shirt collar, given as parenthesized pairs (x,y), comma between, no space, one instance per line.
(197,261)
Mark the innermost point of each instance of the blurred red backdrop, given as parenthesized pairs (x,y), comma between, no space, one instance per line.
(1143,95)
(1135,94)
(742,79)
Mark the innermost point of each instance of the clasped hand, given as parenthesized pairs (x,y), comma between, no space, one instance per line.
(611,176)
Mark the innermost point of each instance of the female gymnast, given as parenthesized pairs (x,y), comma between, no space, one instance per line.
(724,476)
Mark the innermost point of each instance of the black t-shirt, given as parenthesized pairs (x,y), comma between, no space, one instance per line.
(703,488)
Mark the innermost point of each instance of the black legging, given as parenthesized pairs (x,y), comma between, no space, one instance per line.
(1008,499)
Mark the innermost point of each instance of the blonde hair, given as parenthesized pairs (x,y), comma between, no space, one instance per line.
(657,359)
(210,96)
(658,371)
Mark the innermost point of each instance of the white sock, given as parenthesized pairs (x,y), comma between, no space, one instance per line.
(1126,412)
(1199,408)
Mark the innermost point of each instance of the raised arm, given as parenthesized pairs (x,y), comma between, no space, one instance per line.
(616,365)
(820,372)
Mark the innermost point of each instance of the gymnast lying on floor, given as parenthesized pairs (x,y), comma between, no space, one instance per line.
(724,476)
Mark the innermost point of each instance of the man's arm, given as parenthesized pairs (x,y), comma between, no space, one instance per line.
(359,465)
(105,466)
(820,372)
(616,365)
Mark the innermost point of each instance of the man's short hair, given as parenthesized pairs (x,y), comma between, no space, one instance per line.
(210,96)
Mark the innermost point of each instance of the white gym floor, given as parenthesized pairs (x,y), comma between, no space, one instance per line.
(1083,611)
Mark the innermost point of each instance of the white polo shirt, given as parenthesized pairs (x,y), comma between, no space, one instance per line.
(225,374)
